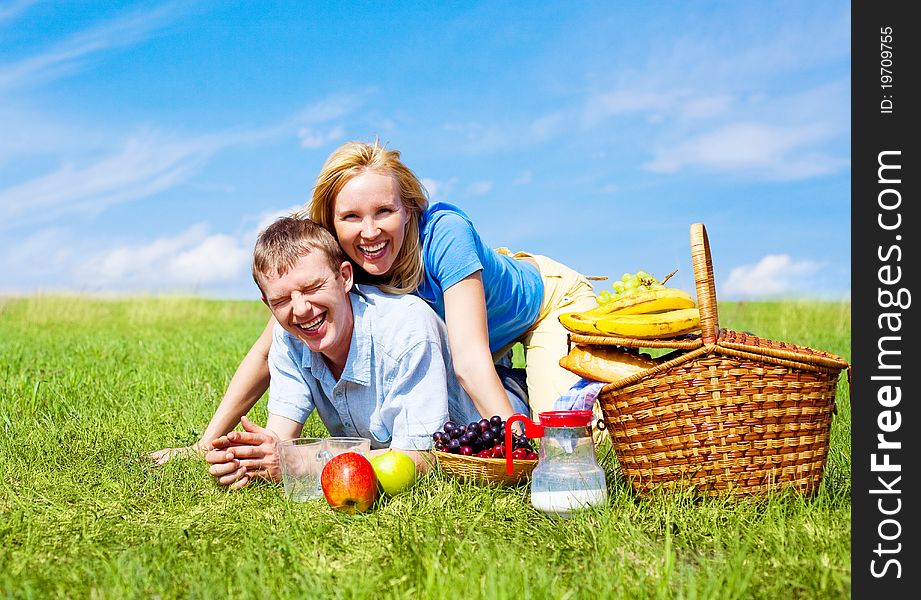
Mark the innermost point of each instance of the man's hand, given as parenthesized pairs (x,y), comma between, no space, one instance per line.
(241,456)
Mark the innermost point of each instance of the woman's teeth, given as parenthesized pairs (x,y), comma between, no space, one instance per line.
(374,250)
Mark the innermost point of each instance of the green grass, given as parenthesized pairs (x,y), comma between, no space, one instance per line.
(88,386)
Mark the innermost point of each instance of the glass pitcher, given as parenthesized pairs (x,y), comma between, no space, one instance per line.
(567,476)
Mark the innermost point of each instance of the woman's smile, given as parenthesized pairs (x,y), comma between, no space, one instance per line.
(370,221)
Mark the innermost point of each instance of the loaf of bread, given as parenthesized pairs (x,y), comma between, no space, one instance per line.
(605,363)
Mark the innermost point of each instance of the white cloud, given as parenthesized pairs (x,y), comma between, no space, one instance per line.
(311,138)
(479,188)
(439,190)
(548,126)
(69,55)
(145,165)
(658,105)
(216,259)
(266,218)
(602,105)
(331,108)
(44,252)
(478,138)
(773,275)
(193,258)
(706,106)
(63,259)
(12,9)
(766,151)
(523,178)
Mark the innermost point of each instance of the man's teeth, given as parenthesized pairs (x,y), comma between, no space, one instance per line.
(373,249)
(313,325)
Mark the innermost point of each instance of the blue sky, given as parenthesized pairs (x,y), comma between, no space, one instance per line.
(143,145)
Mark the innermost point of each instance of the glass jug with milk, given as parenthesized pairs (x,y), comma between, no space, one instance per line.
(567,476)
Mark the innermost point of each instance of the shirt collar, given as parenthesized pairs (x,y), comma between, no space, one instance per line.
(358,363)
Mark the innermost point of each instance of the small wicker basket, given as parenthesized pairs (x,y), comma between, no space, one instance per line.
(484,470)
(731,414)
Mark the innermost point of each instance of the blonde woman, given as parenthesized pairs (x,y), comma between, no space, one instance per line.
(378,211)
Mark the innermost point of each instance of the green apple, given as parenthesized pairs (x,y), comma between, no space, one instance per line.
(395,471)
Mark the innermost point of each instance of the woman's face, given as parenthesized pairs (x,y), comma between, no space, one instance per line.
(370,221)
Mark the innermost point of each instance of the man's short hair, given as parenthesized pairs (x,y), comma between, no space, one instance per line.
(288,239)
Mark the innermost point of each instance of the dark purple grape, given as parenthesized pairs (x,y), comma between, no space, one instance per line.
(473,426)
(484,424)
(456,433)
(439,446)
(496,430)
(438,436)
(488,439)
(496,421)
(453,446)
(449,425)
(467,439)
(462,429)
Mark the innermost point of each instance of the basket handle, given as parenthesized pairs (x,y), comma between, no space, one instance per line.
(703,280)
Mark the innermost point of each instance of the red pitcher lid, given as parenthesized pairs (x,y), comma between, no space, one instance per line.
(565,418)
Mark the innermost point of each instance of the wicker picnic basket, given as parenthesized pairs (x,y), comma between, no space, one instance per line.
(484,470)
(730,414)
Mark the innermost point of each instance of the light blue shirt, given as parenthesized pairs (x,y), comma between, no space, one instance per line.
(452,249)
(398,386)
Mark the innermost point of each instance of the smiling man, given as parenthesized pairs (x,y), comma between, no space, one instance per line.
(373,365)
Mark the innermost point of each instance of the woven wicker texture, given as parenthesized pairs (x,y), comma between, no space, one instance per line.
(688,342)
(734,414)
(484,470)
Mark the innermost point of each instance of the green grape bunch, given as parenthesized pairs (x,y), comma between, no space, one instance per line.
(628,284)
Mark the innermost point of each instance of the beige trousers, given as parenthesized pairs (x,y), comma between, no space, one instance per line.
(544,343)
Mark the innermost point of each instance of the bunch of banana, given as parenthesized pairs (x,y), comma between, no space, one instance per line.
(645,314)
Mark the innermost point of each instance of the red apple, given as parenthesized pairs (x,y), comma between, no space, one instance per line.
(349,483)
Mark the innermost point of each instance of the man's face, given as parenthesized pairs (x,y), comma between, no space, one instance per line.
(312,303)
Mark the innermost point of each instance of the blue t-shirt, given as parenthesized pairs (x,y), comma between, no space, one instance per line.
(452,249)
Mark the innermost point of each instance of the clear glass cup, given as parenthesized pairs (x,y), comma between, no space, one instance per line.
(339,445)
(302,461)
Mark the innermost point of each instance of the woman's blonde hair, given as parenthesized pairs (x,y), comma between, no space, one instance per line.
(351,159)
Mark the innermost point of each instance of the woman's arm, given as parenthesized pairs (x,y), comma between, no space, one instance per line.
(249,382)
(468,336)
